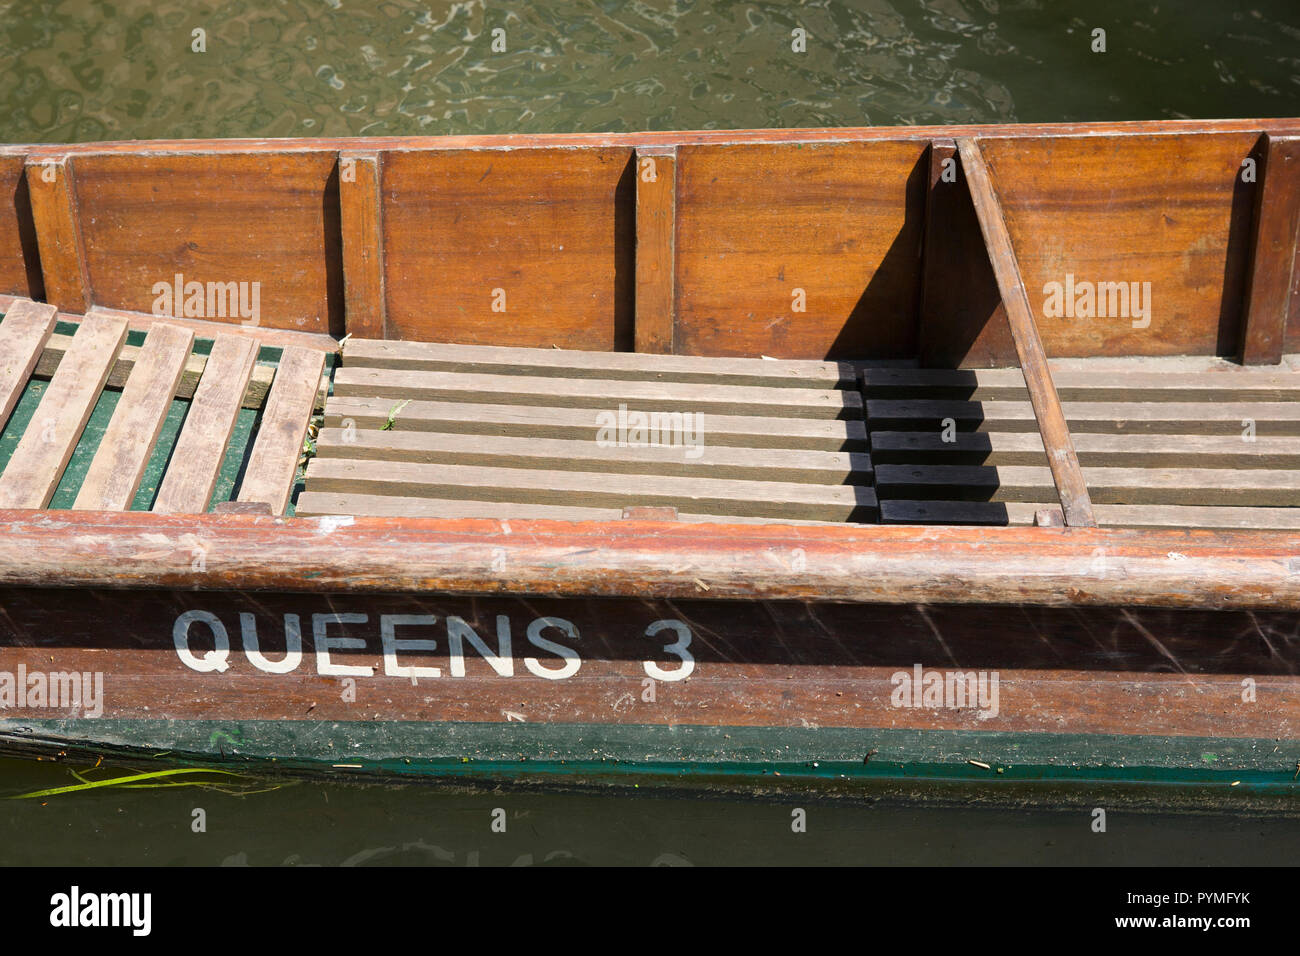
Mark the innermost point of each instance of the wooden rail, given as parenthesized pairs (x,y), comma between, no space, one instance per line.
(1271,293)
(1061,457)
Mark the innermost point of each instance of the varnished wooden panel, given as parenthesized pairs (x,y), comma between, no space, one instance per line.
(15,207)
(841,221)
(242,217)
(1171,210)
(552,229)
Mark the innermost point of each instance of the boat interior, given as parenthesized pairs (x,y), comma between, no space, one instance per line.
(964,326)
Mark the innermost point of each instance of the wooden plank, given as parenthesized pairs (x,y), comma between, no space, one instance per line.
(114,475)
(23,333)
(1108,208)
(271,467)
(987,513)
(201,447)
(656,256)
(1190,516)
(1061,457)
(840,221)
(757,499)
(20,274)
(1094,450)
(312,503)
(1008,384)
(1277,219)
(614,366)
(34,470)
(58,233)
(1171,418)
(554,454)
(1181,486)
(552,229)
(361,217)
(151,216)
(574,423)
(597,395)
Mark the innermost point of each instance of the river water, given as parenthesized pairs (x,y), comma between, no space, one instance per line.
(82,71)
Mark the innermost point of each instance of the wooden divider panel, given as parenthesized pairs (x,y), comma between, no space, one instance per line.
(15,203)
(799,250)
(525,247)
(1275,250)
(218,220)
(1171,211)
(59,238)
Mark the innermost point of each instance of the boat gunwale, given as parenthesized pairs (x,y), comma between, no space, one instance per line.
(885,564)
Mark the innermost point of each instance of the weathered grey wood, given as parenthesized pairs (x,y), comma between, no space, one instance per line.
(1175,486)
(34,470)
(696,495)
(580,424)
(1094,450)
(196,461)
(1061,458)
(599,395)
(279,444)
(23,332)
(1185,418)
(822,467)
(1184,516)
(996,385)
(612,366)
(114,474)
(312,503)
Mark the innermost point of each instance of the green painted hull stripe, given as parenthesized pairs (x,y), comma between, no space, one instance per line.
(513,749)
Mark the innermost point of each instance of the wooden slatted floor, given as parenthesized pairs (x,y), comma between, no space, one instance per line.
(71,377)
(478,431)
(1163,443)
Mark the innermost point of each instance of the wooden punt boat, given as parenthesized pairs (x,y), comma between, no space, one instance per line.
(923,453)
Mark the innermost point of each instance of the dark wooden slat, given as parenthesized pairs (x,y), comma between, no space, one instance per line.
(1061,457)
(26,327)
(656,260)
(614,366)
(274,461)
(756,499)
(595,395)
(577,423)
(1277,218)
(817,467)
(990,513)
(192,473)
(114,475)
(1115,450)
(363,249)
(34,470)
(58,233)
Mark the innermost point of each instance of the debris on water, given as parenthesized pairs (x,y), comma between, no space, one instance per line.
(977,763)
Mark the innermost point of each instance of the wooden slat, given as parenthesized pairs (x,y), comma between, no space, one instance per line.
(1172,418)
(1185,486)
(363,249)
(597,395)
(1061,457)
(1277,218)
(274,461)
(311,503)
(823,467)
(23,333)
(993,513)
(58,233)
(656,259)
(1116,450)
(196,461)
(614,366)
(1086,385)
(575,423)
(33,473)
(115,472)
(1187,516)
(697,495)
